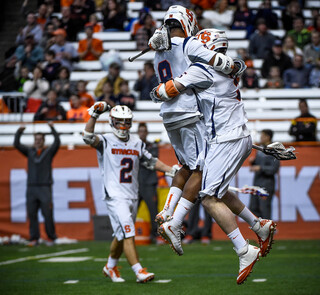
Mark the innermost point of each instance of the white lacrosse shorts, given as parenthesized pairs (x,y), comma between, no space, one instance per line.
(188,142)
(122,214)
(222,163)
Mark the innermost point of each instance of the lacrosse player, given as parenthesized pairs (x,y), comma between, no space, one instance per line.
(119,155)
(228,144)
(175,50)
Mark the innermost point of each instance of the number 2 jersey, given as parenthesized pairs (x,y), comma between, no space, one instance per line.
(219,101)
(119,165)
(172,63)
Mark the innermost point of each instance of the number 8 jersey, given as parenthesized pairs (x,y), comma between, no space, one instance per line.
(119,165)
(172,63)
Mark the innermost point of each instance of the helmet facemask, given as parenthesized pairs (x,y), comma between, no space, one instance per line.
(121,121)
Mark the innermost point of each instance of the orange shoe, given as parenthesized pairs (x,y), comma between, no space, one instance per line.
(248,256)
(188,239)
(113,274)
(205,240)
(265,230)
(143,276)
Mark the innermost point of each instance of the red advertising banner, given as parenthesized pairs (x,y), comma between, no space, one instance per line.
(77,194)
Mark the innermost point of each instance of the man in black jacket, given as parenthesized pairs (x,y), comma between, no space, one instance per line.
(39,184)
(264,167)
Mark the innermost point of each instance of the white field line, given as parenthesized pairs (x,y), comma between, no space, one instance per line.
(44,256)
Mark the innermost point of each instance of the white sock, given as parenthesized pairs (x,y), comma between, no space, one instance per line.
(173,198)
(237,239)
(248,216)
(112,262)
(136,267)
(183,207)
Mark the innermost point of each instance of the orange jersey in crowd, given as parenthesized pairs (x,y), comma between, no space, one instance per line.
(65,3)
(96,44)
(80,114)
(86,99)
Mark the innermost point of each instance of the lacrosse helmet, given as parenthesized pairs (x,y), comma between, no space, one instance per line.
(181,17)
(214,39)
(120,121)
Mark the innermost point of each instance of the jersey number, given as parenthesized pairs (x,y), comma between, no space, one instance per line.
(125,177)
(164,70)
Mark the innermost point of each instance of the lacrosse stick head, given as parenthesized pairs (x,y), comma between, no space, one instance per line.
(278,150)
(254,190)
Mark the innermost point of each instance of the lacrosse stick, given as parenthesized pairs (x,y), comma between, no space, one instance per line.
(252,190)
(277,150)
(132,58)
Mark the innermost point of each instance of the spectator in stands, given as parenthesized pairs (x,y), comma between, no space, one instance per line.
(314,79)
(292,11)
(145,32)
(79,16)
(32,28)
(276,58)
(8,81)
(51,66)
(203,22)
(77,112)
(265,11)
(113,77)
(23,76)
(152,4)
(289,47)
(65,22)
(86,98)
(148,180)
(138,23)
(62,86)
(90,48)
(94,21)
(29,54)
(39,183)
(146,81)
(204,4)
(221,16)
(265,167)
(261,41)
(50,109)
(125,97)
(114,17)
(312,24)
(35,90)
(65,52)
(107,94)
(243,18)
(48,38)
(304,127)
(316,24)
(300,34)
(274,79)
(250,80)
(243,54)
(298,75)
(42,16)
(312,50)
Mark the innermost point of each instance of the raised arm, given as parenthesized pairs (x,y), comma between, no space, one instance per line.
(56,143)
(17,144)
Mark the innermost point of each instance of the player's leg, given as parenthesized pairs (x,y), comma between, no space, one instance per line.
(224,217)
(32,209)
(192,231)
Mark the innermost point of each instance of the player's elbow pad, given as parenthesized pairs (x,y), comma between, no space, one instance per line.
(223,63)
(167,90)
(88,137)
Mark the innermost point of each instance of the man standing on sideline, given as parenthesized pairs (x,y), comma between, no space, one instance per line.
(39,183)
(264,167)
(148,180)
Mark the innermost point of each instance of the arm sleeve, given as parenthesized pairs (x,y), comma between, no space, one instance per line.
(197,51)
(20,147)
(56,143)
(197,76)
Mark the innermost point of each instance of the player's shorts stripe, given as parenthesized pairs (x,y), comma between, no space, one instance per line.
(185,43)
(197,148)
(206,150)
(213,132)
(201,67)
(218,188)
(204,181)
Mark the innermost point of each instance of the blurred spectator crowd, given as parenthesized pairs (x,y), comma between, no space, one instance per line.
(42,59)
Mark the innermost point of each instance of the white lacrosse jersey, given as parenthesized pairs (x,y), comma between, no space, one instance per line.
(172,63)
(219,101)
(119,165)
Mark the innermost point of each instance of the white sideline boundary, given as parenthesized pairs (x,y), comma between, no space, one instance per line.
(44,256)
